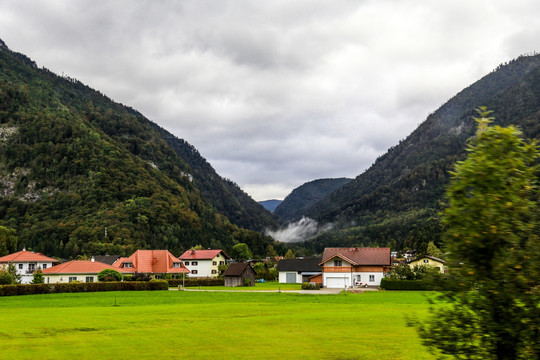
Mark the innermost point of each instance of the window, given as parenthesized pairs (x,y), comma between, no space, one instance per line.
(194,263)
(20,266)
(186,263)
(194,271)
(371,278)
(72,278)
(44,266)
(176,265)
(222,263)
(128,265)
(214,271)
(214,262)
(89,279)
(32,267)
(426,261)
(338,263)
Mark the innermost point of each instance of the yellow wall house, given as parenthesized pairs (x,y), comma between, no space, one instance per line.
(430,261)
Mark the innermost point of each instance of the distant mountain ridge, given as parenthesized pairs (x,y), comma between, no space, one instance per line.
(80,174)
(300,199)
(396,201)
(270,205)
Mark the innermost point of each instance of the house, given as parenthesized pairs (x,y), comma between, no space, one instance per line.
(106,259)
(348,267)
(204,263)
(153,263)
(26,262)
(78,270)
(430,261)
(237,273)
(298,270)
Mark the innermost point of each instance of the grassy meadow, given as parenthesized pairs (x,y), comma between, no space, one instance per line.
(205,325)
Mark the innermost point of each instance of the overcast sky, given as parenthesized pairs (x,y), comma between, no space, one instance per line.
(277,93)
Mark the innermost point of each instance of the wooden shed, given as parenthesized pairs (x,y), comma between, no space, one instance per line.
(237,272)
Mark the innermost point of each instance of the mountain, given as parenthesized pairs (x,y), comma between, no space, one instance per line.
(270,205)
(81,174)
(396,201)
(300,199)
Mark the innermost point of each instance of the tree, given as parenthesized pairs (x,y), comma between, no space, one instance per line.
(5,277)
(109,275)
(492,243)
(12,270)
(8,240)
(241,252)
(271,253)
(289,254)
(38,277)
(433,250)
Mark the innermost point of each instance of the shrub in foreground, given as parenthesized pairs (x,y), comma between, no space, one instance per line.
(75,287)
(311,286)
(197,282)
(388,284)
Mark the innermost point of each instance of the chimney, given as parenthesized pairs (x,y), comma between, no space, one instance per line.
(93,259)
(192,252)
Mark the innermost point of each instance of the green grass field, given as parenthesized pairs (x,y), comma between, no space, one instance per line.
(211,325)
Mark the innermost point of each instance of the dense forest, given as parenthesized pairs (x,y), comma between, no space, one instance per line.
(397,201)
(81,174)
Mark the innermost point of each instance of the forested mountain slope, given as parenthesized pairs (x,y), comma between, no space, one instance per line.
(81,174)
(396,201)
(295,204)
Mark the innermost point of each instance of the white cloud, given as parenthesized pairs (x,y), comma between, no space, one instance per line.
(275,94)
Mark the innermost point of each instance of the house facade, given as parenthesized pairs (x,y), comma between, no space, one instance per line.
(429,261)
(350,267)
(154,263)
(298,270)
(77,270)
(26,262)
(204,263)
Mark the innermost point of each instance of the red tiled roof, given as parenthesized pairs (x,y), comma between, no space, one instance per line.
(359,256)
(152,262)
(26,256)
(81,267)
(202,254)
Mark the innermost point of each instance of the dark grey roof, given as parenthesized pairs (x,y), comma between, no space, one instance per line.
(107,259)
(237,269)
(305,264)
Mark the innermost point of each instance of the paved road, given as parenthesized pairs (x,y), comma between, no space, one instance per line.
(323,291)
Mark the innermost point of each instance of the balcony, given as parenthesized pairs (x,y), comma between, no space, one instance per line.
(341,269)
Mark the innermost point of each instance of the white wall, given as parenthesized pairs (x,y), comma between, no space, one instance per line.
(27,278)
(283,276)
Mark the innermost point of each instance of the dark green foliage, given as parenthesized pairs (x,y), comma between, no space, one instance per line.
(109,275)
(300,199)
(74,164)
(76,287)
(389,284)
(8,241)
(197,282)
(491,309)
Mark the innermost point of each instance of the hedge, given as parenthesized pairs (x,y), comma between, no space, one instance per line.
(75,287)
(388,284)
(197,282)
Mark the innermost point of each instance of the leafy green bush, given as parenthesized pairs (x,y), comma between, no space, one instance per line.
(5,278)
(75,287)
(109,275)
(247,282)
(388,284)
(311,286)
(197,282)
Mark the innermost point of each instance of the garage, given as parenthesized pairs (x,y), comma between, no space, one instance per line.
(336,282)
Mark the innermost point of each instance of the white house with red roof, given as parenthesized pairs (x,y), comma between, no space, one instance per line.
(26,262)
(350,267)
(155,263)
(77,270)
(204,263)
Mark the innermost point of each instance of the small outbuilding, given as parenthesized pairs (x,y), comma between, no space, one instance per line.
(237,273)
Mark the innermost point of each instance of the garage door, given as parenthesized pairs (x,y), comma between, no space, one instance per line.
(291,278)
(335,282)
